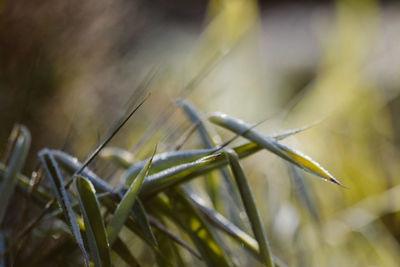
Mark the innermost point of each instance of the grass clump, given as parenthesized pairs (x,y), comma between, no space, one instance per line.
(154,199)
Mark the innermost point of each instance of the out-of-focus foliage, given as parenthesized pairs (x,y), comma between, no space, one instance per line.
(77,68)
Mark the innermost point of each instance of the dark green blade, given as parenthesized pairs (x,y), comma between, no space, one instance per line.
(251,208)
(54,174)
(125,205)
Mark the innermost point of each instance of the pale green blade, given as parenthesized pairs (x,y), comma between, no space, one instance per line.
(94,225)
(251,208)
(272,145)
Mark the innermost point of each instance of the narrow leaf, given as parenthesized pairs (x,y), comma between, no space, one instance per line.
(54,174)
(212,183)
(94,225)
(126,204)
(272,145)
(251,208)
(17,160)
(163,161)
(169,176)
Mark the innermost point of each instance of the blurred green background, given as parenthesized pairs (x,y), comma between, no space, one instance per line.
(68,70)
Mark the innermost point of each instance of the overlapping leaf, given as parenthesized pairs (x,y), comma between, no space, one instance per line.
(15,165)
(53,172)
(251,208)
(126,204)
(94,225)
(272,145)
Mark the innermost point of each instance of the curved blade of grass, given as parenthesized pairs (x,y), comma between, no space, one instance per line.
(126,204)
(165,160)
(212,183)
(183,213)
(169,176)
(162,180)
(131,223)
(208,142)
(270,144)
(250,207)
(15,165)
(94,225)
(124,158)
(54,174)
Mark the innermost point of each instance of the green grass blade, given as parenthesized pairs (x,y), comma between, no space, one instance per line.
(94,225)
(139,216)
(213,184)
(272,145)
(183,173)
(15,165)
(180,210)
(163,161)
(54,174)
(126,204)
(251,208)
(169,176)
(211,181)
(131,223)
